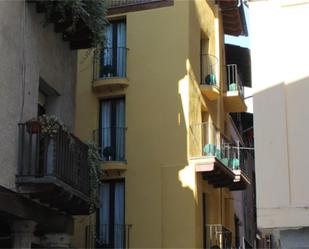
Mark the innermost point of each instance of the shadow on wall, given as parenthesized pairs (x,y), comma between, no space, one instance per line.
(178,180)
(281,124)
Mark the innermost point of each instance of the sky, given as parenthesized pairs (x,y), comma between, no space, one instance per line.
(242,41)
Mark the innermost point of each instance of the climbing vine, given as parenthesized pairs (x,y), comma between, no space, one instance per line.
(71,12)
(94,160)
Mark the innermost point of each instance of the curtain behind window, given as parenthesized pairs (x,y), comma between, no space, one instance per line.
(105,124)
(113,58)
(120,129)
(107,56)
(119,216)
(121,49)
(104,213)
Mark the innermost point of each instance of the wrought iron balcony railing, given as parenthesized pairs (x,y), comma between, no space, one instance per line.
(111,143)
(218,235)
(108,236)
(63,156)
(209,67)
(110,62)
(234,82)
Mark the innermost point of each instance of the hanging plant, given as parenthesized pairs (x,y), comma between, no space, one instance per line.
(50,125)
(70,13)
(94,160)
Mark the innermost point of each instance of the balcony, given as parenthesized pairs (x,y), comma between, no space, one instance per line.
(54,170)
(108,236)
(234,96)
(209,86)
(239,166)
(110,67)
(209,158)
(111,142)
(217,236)
(220,162)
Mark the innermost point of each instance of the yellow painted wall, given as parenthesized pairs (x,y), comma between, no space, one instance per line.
(163,192)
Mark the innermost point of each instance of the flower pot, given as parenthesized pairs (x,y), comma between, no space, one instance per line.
(108,153)
(210,79)
(33,126)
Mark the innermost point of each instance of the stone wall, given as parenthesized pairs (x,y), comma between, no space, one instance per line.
(30,51)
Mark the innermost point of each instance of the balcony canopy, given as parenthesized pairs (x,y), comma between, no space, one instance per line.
(234,22)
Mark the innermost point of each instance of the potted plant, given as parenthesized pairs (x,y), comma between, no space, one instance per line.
(109,153)
(233,87)
(50,125)
(33,126)
(210,79)
(107,70)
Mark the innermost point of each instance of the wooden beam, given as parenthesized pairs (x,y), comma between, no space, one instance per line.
(82,44)
(222,184)
(61,26)
(221,178)
(238,186)
(40,8)
(15,205)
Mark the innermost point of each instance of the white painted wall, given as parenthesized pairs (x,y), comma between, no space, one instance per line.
(280,75)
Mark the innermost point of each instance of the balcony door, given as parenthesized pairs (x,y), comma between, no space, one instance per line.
(110,225)
(113,57)
(112,129)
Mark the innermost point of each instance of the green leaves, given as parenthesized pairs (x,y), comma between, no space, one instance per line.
(50,125)
(94,160)
(70,12)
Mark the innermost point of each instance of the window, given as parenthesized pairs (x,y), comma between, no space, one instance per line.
(42,103)
(112,129)
(113,56)
(47,98)
(111,228)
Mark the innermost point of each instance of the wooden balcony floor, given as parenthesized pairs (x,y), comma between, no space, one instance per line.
(214,171)
(241,181)
(53,192)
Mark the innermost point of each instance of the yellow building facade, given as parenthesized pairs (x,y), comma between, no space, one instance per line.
(161,129)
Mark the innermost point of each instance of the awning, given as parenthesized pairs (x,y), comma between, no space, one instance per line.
(234,22)
(240,56)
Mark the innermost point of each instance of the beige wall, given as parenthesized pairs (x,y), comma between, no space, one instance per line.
(280,80)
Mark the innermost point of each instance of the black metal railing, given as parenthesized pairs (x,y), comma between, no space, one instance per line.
(218,235)
(209,67)
(108,236)
(123,3)
(110,62)
(111,142)
(62,156)
(234,82)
